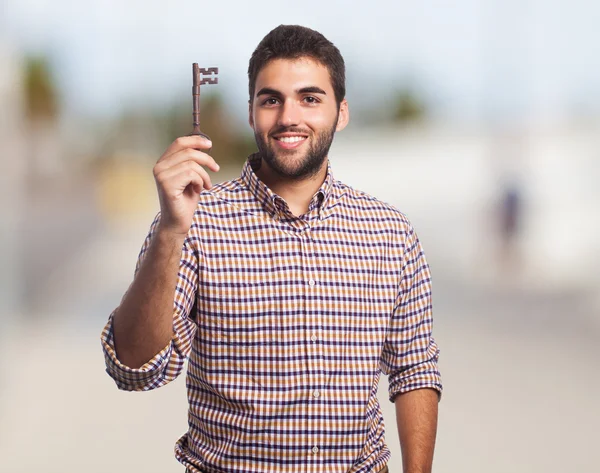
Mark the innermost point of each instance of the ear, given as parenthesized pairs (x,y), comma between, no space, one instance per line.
(250,117)
(343,116)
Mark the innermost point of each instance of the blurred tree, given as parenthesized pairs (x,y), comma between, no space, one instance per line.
(230,145)
(409,107)
(41,98)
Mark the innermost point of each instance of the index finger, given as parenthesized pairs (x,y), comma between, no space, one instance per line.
(187,154)
(183,142)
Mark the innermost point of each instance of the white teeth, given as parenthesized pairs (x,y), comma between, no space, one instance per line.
(290,139)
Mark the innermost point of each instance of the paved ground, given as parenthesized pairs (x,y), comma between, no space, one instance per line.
(520,372)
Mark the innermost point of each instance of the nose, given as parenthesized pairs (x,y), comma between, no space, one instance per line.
(290,114)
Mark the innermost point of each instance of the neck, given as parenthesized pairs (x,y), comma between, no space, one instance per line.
(296,192)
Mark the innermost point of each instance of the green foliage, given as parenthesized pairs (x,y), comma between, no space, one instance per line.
(230,146)
(41,101)
(409,107)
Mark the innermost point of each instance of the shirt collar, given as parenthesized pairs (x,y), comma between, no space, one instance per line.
(272,203)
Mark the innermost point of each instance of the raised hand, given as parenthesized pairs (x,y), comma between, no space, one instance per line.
(180,178)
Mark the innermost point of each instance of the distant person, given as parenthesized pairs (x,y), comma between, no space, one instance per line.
(509,223)
(288,291)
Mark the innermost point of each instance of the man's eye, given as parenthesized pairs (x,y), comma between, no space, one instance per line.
(271,101)
(310,99)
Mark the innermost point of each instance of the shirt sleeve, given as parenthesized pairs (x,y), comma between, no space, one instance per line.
(166,365)
(410,354)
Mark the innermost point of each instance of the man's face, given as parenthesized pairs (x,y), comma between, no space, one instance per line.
(294,116)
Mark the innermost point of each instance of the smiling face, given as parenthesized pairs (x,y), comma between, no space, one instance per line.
(294,116)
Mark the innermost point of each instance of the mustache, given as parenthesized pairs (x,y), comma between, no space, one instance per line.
(290,129)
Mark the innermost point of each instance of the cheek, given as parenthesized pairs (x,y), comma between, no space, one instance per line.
(318,120)
(263,122)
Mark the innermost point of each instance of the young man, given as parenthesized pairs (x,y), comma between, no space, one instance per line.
(288,291)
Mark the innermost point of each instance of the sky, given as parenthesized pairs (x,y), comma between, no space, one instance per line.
(468,58)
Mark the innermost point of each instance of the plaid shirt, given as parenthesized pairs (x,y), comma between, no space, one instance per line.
(288,323)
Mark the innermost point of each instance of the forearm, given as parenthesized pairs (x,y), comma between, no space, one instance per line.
(143,322)
(416,415)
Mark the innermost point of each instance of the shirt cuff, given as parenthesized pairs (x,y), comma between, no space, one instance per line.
(144,378)
(425,375)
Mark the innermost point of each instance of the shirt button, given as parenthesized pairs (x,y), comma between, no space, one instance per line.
(316,393)
(313,338)
(311,282)
(315,449)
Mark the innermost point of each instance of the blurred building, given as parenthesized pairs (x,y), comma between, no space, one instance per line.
(451,182)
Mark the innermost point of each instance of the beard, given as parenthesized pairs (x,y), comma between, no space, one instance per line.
(289,163)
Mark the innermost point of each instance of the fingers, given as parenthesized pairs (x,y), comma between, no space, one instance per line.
(176,178)
(182,164)
(183,142)
(187,154)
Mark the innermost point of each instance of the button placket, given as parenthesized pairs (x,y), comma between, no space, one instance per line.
(313,335)
(313,319)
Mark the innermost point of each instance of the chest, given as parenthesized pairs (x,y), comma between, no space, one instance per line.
(279,302)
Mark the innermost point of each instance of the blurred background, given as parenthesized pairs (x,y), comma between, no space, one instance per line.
(479,119)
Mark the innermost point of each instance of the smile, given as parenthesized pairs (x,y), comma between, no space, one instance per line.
(290,142)
(291,139)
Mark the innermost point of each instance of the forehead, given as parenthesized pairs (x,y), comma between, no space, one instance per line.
(292,74)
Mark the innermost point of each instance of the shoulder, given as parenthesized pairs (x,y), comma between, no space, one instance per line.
(224,198)
(363,205)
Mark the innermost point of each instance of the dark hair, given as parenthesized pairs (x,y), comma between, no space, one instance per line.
(294,42)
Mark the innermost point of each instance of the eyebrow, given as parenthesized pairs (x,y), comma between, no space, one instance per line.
(313,89)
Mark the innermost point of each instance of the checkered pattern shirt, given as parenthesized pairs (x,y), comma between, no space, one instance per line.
(287,323)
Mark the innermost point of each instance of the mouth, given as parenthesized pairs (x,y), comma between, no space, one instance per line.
(290,140)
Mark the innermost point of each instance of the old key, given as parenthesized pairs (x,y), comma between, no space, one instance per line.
(198,80)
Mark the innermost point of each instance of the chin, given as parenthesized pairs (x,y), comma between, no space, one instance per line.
(287,170)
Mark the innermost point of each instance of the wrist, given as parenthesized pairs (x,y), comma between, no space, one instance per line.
(168,237)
